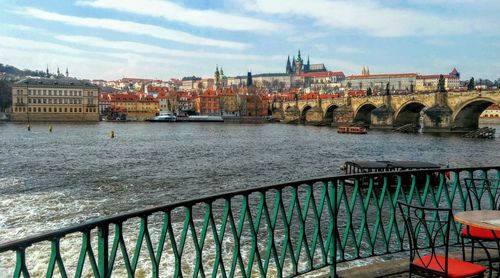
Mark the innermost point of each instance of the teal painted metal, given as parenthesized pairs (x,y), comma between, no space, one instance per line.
(280,230)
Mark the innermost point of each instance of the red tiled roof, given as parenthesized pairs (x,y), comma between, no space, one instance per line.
(132,79)
(435,76)
(383,75)
(323,74)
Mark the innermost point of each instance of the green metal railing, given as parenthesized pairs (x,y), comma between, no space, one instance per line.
(280,230)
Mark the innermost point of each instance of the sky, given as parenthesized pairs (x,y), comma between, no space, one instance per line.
(111,39)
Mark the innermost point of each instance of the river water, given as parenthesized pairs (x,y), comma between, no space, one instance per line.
(77,172)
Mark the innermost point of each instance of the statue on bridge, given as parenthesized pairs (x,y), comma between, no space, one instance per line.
(387,92)
(440,87)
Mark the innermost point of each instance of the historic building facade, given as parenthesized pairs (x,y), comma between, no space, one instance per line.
(52,100)
(430,82)
(396,82)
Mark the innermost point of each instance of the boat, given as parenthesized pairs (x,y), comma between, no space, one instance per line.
(164,117)
(355,167)
(351,129)
(381,166)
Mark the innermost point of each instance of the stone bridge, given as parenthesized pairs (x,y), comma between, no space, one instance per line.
(432,111)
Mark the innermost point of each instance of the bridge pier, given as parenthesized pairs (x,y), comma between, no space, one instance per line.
(438,119)
(382,117)
(343,115)
(314,116)
(292,115)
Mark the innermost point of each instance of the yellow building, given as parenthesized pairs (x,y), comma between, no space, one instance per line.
(52,100)
(137,107)
(229,102)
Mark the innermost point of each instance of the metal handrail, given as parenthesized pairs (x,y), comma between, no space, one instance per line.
(372,194)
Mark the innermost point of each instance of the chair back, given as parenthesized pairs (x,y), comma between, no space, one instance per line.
(428,230)
(482,193)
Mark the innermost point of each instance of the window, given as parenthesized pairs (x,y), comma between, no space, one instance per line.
(44,92)
(60,109)
(39,109)
(80,110)
(50,109)
(44,109)
(29,109)
(66,110)
(71,110)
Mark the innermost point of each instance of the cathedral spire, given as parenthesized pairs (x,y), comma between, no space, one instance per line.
(67,73)
(288,66)
(47,70)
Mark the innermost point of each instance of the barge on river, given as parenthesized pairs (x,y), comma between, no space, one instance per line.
(351,129)
(383,166)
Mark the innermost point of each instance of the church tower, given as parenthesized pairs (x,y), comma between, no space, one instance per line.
(298,65)
(217,75)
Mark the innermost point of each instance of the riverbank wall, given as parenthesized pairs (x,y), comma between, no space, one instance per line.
(245,120)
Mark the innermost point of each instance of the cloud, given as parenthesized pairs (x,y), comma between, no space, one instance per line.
(342,65)
(373,18)
(135,47)
(131,28)
(11,42)
(98,64)
(174,12)
(349,50)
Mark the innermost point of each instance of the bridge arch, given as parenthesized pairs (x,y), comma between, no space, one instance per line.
(409,113)
(303,113)
(328,117)
(364,113)
(466,116)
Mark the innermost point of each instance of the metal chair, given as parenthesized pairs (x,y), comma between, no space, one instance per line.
(482,193)
(428,229)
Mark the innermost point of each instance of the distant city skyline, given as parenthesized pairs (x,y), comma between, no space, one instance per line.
(111,39)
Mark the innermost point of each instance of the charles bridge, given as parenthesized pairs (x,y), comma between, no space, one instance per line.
(436,111)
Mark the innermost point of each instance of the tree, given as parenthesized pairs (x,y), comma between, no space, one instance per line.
(5,95)
(369,91)
(471,85)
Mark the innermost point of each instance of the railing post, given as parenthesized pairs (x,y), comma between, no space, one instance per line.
(333,241)
(103,232)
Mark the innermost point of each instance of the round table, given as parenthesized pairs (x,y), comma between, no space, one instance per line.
(485,219)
